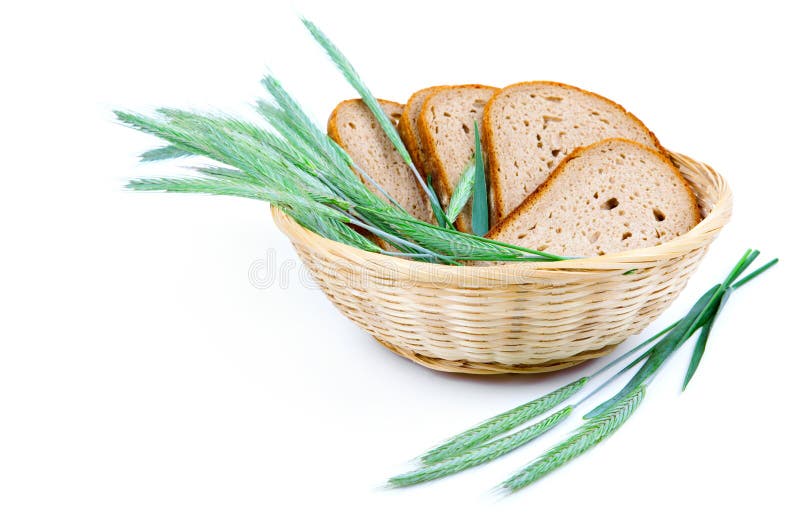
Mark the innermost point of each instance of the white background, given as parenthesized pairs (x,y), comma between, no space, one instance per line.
(143,376)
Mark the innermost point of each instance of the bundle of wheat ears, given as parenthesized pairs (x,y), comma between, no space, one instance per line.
(295,166)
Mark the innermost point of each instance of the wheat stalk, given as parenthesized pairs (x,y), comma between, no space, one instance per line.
(471,447)
(605,419)
(702,311)
(516,416)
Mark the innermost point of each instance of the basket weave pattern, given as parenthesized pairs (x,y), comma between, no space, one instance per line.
(523,317)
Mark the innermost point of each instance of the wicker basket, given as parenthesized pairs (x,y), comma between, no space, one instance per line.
(523,317)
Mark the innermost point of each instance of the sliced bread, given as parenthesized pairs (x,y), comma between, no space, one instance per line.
(610,196)
(409,129)
(353,126)
(530,127)
(446,128)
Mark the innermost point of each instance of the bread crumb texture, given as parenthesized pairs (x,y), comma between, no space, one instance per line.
(610,196)
(530,127)
(447,130)
(353,126)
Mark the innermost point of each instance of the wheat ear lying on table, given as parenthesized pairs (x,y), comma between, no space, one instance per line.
(521,414)
(480,454)
(587,436)
(501,423)
(481,444)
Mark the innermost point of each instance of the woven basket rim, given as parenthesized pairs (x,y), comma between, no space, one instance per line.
(712,222)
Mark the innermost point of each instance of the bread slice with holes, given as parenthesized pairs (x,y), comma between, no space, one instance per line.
(409,129)
(610,196)
(353,126)
(446,129)
(530,127)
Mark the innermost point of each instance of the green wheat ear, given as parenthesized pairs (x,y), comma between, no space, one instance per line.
(355,80)
(350,74)
(481,454)
(165,152)
(501,423)
(471,447)
(462,192)
(587,436)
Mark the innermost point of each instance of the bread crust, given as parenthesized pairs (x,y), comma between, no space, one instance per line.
(439,176)
(332,129)
(495,190)
(534,196)
(407,127)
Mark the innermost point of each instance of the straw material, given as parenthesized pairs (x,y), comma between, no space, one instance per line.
(524,317)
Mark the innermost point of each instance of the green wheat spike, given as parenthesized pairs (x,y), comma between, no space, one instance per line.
(355,80)
(501,423)
(295,166)
(462,192)
(350,74)
(481,454)
(163,153)
(587,436)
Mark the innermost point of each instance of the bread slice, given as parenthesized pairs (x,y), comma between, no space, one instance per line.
(353,126)
(530,127)
(446,128)
(610,196)
(409,130)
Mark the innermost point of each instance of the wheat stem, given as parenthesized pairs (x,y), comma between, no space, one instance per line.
(399,240)
(635,349)
(700,313)
(739,283)
(377,186)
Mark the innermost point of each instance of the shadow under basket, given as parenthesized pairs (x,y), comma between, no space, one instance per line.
(522,317)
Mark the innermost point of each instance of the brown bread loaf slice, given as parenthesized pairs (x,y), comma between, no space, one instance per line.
(446,127)
(409,129)
(353,126)
(610,196)
(530,127)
